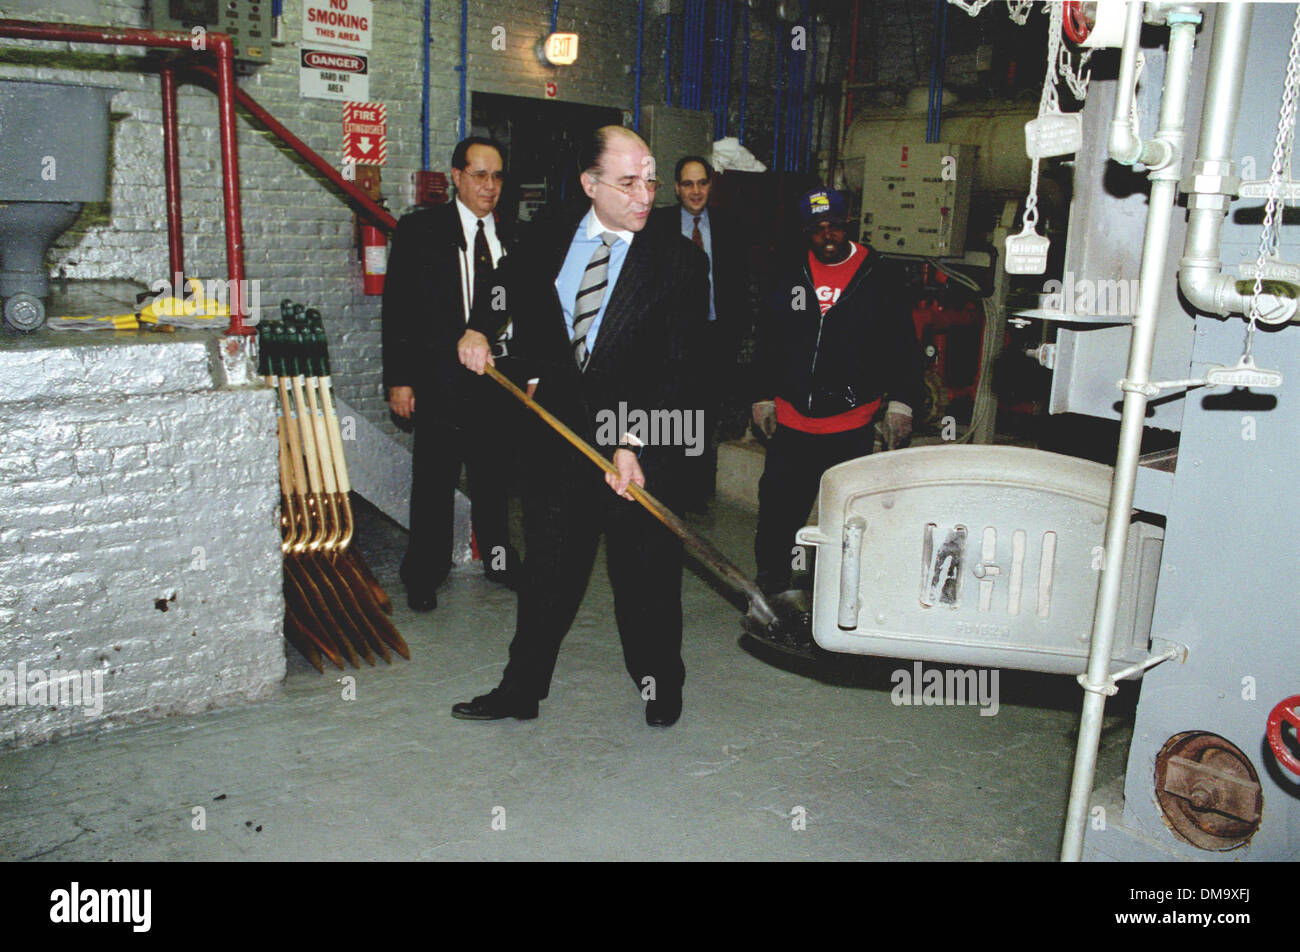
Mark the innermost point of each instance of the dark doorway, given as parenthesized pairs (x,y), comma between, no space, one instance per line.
(541,138)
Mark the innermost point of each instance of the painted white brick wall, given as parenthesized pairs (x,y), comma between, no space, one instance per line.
(139,533)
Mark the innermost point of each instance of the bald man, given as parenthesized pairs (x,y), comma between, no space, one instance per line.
(604,312)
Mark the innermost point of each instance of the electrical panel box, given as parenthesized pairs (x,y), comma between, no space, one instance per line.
(671,133)
(248,22)
(916,198)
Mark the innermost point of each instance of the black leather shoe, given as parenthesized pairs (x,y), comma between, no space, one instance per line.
(664,711)
(494,706)
(421,601)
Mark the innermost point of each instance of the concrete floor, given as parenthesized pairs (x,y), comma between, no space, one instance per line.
(390,775)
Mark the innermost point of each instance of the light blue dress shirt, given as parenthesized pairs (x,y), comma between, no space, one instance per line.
(688,227)
(585,242)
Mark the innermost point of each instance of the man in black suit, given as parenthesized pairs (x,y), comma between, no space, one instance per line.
(442,259)
(604,312)
(729,317)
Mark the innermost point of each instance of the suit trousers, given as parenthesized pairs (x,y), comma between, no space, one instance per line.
(479,435)
(565,513)
(788,488)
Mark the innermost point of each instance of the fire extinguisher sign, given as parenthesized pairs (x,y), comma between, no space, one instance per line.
(365,133)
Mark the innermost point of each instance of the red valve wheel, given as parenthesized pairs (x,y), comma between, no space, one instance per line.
(1076,25)
(1284,712)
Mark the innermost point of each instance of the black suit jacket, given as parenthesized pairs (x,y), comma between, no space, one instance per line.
(644,355)
(422,311)
(731,304)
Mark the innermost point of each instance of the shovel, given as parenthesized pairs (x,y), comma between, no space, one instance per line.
(770,621)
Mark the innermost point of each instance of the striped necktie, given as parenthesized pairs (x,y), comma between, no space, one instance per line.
(591,292)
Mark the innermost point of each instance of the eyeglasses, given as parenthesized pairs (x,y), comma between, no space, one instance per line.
(649,184)
(481,176)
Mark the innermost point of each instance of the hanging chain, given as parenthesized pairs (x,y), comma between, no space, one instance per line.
(1282,148)
(1077,80)
(1051,98)
(1018,10)
(1048,102)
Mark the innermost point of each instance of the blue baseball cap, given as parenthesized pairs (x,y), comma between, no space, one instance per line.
(823,204)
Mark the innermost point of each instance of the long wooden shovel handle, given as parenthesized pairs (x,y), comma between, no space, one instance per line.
(701,547)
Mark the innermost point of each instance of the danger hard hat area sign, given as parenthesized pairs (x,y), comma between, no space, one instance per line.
(333,74)
(365,133)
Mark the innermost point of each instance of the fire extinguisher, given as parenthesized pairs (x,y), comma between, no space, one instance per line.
(374,258)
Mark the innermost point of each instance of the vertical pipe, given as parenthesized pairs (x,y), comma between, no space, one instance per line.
(698,81)
(744,69)
(777,157)
(424,91)
(172,173)
(224,49)
(715,90)
(729,35)
(812,93)
(1155,244)
(462,130)
(1200,270)
(640,49)
(555,15)
(727,73)
(853,67)
(668,60)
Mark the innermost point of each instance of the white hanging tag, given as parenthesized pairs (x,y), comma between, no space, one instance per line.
(1027,252)
(1244,374)
(1053,134)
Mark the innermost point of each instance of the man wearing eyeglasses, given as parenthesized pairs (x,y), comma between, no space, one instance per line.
(604,311)
(443,259)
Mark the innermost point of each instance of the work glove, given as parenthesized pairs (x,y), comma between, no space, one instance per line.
(898,429)
(764,416)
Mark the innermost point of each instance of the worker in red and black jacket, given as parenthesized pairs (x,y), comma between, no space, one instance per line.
(836,350)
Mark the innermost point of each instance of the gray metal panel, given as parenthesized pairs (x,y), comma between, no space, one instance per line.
(1228,583)
(1107,224)
(982,555)
(671,133)
(53,142)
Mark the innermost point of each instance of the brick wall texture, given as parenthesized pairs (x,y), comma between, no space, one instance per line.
(139,534)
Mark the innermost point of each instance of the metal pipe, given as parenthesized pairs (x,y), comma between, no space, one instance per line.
(812,94)
(463,68)
(1123,145)
(359,200)
(172,173)
(1155,246)
(424,90)
(640,46)
(1213,180)
(744,71)
(776,110)
(668,59)
(853,66)
(225,51)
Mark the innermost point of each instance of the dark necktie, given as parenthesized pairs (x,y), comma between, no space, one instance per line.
(482,298)
(696,236)
(591,291)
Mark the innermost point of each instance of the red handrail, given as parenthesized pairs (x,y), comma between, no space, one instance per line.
(220,46)
(215,44)
(362,202)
